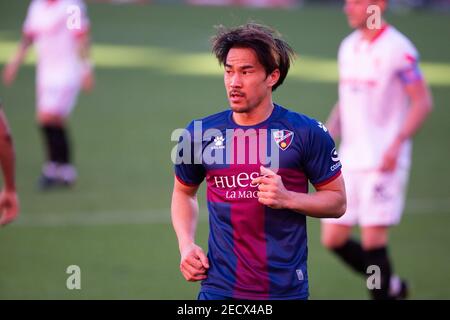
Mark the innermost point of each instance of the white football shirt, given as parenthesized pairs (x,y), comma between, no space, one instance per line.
(54,26)
(372,100)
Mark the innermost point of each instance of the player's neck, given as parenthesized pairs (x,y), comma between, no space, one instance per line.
(255,116)
(372,34)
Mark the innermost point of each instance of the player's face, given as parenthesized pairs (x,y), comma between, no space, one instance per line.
(246,81)
(356,11)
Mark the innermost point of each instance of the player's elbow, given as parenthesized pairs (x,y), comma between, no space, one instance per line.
(342,209)
(339,208)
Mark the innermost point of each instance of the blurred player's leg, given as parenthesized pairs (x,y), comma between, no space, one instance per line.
(375,243)
(336,233)
(55,105)
(336,238)
(58,168)
(375,201)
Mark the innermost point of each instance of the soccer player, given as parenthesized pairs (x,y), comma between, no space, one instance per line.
(9,203)
(383,101)
(60,31)
(257,242)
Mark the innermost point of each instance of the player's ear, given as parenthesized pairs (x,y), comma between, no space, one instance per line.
(273,78)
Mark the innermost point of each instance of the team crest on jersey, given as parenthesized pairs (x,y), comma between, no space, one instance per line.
(283,138)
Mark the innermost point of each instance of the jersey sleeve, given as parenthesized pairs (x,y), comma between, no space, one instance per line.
(406,62)
(189,169)
(320,162)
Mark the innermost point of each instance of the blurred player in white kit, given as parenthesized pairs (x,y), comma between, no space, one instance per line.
(383,101)
(60,30)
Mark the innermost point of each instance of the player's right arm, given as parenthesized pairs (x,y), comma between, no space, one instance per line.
(333,123)
(10,70)
(184,208)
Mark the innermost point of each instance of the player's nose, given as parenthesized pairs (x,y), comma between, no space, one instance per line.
(236,81)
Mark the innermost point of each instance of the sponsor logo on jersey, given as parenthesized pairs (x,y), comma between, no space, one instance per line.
(237,186)
(283,138)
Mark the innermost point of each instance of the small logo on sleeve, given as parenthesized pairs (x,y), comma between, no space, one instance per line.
(283,138)
(335,159)
(334,155)
(322,126)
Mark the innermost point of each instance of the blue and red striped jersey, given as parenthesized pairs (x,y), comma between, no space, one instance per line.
(256,252)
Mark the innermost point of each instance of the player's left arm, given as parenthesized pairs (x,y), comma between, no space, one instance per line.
(84,52)
(329,200)
(83,38)
(11,68)
(420,107)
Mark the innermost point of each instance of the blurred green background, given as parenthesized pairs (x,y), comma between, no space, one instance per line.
(155,73)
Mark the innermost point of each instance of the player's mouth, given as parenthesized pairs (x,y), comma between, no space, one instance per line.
(236,96)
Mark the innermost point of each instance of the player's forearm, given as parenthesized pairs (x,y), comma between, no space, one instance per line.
(84,47)
(321,204)
(184,218)
(22,50)
(418,113)
(333,123)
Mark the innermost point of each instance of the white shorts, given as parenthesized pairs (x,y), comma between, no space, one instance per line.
(374,198)
(57,100)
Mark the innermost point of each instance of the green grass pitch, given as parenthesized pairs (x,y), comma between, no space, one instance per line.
(155,73)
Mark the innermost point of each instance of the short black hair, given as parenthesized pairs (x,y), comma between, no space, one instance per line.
(272,51)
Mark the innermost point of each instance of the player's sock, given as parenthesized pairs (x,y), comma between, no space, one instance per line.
(379,257)
(62,145)
(49,135)
(57,142)
(353,254)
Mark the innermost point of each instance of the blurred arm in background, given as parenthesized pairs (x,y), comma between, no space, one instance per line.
(420,107)
(9,204)
(333,123)
(10,70)
(84,51)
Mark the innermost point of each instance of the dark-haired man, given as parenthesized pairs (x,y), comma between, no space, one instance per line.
(257,159)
